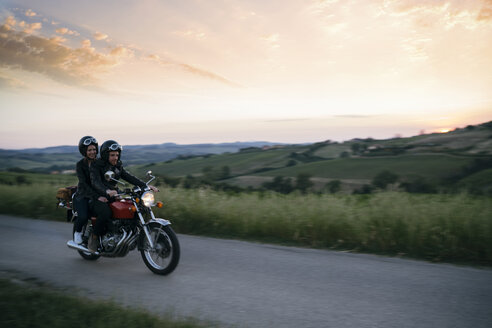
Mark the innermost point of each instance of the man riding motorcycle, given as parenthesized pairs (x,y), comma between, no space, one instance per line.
(109,160)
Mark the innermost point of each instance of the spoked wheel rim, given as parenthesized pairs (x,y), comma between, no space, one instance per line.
(161,255)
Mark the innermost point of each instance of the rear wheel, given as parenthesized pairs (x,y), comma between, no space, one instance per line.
(164,257)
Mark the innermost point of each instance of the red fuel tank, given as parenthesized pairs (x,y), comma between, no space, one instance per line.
(122,209)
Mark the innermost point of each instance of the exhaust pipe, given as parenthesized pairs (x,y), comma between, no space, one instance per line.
(129,242)
(82,248)
(116,250)
(123,249)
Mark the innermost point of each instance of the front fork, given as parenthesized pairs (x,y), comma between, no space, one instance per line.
(144,226)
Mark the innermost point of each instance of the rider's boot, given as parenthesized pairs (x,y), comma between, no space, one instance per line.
(93,243)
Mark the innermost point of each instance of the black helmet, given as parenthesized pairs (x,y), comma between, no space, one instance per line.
(86,142)
(110,145)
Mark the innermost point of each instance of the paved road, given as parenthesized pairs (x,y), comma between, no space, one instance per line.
(256,285)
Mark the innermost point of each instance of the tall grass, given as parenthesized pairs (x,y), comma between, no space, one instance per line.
(36,200)
(455,228)
(451,228)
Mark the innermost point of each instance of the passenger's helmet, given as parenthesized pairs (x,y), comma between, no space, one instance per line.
(86,142)
(110,145)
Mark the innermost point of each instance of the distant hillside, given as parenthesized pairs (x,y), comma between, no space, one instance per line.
(433,159)
(458,159)
(65,157)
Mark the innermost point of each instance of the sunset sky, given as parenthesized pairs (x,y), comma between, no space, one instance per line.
(194,71)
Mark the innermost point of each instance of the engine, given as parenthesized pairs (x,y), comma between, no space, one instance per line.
(121,238)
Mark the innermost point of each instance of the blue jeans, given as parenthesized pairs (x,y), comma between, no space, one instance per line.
(83,207)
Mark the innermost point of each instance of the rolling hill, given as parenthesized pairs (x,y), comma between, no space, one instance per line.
(436,158)
(462,157)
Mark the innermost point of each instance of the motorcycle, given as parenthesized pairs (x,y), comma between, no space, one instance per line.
(134,226)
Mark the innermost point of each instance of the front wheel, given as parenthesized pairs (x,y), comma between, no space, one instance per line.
(164,257)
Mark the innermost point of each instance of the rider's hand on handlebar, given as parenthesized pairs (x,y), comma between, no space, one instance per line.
(154,189)
(111,193)
(102,199)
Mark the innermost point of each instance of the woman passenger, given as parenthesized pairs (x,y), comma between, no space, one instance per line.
(85,195)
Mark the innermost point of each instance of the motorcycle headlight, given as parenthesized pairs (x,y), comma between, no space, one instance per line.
(148,198)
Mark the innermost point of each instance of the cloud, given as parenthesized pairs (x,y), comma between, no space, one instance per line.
(10,21)
(354,116)
(193,70)
(416,48)
(64,30)
(9,82)
(122,52)
(100,36)
(47,56)
(272,40)
(30,28)
(290,120)
(86,44)
(192,34)
(30,13)
(485,13)
(447,14)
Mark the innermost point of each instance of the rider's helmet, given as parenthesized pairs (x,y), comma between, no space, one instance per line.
(86,142)
(110,145)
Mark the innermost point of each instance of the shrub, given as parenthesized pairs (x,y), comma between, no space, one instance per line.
(384,178)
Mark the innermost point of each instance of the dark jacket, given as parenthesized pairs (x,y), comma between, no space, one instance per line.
(84,188)
(99,183)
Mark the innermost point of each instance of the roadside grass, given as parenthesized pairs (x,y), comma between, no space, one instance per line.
(453,228)
(24,305)
(35,200)
(450,228)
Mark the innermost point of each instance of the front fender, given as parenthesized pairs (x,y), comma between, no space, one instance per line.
(160,221)
(142,237)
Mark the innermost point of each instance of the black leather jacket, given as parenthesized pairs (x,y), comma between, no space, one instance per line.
(84,187)
(99,183)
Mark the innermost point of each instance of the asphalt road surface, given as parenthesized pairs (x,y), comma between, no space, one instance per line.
(257,285)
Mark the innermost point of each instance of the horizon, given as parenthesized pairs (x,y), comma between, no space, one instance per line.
(443,131)
(151,72)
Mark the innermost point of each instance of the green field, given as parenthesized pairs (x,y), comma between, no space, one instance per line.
(432,166)
(12,178)
(240,163)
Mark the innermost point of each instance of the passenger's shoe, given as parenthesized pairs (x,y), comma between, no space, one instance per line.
(77,237)
(93,243)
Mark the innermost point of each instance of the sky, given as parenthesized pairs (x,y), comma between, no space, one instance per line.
(196,71)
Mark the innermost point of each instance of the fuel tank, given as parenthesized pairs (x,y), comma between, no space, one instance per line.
(122,209)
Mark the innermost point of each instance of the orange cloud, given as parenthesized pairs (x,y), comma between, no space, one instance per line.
(30,13)
(485,13)
(64,30)
(10,21)
(29,28)
(100,36)
(448,14)
(24,51)
(193,70)
(121,52)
